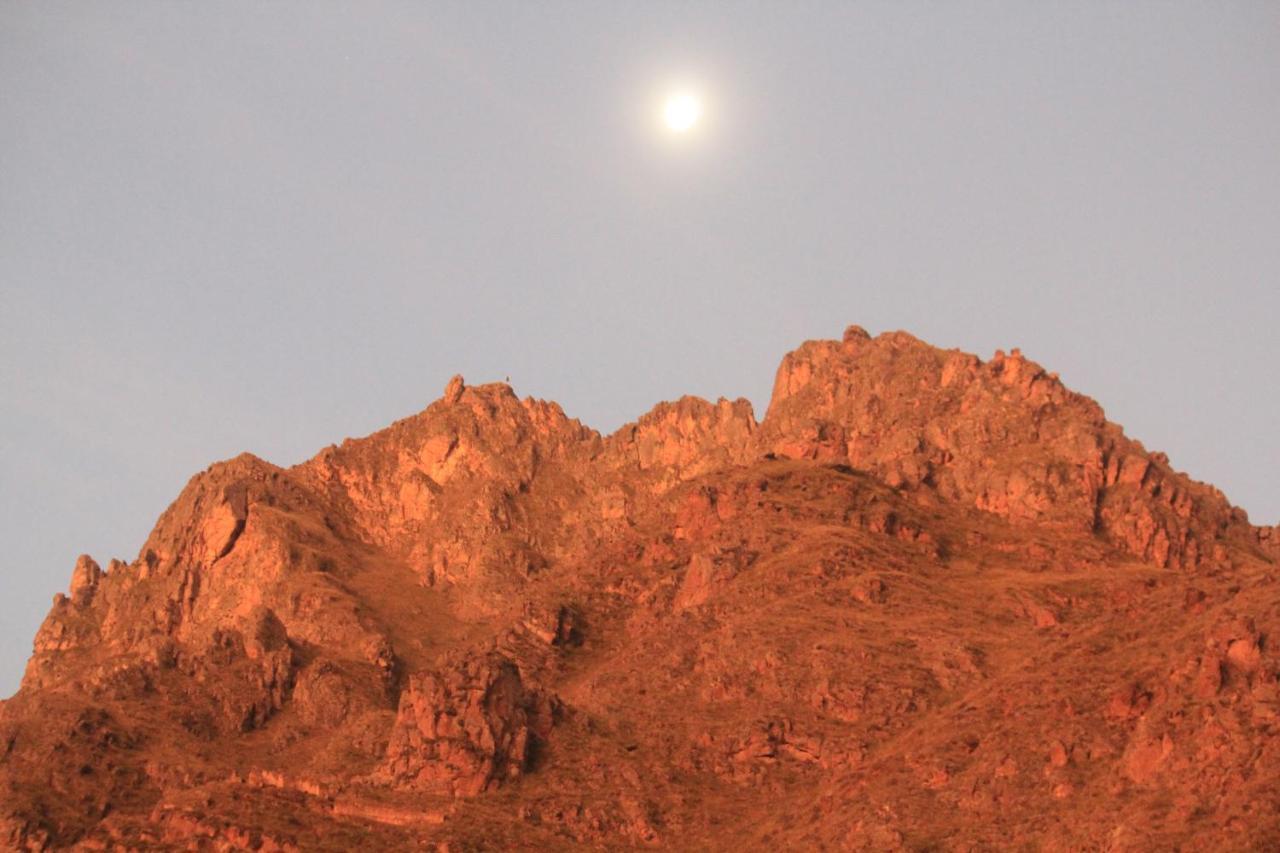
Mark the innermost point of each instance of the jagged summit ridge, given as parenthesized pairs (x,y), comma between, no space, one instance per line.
(490,599)
(1004,436)
(455,490)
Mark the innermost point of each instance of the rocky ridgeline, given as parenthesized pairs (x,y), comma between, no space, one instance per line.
(1004,436)
(399,617)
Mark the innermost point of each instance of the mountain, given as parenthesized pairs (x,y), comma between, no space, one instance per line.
(928,602)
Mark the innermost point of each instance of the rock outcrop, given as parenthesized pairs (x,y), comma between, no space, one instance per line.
(466,729)
(1004,436)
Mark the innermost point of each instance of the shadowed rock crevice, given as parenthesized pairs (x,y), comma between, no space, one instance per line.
(241,519)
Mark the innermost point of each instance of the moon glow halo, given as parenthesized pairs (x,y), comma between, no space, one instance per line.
(681,112)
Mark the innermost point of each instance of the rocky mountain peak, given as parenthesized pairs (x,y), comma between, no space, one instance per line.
(1003,435)
(927,596)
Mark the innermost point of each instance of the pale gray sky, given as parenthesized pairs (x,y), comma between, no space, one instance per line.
(266,227)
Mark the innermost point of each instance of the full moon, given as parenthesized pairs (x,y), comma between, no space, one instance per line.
(681,112)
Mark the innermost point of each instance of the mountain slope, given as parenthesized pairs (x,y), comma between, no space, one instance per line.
(926,602)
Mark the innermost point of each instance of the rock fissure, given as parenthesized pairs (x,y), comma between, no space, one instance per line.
(233,537)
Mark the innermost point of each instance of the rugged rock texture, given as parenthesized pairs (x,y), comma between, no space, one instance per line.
(1004,436)
(466,730)
(928,602)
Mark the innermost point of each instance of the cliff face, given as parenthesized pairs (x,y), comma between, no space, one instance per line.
(927,600)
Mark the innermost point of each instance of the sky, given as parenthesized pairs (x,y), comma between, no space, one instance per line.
(267,227)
